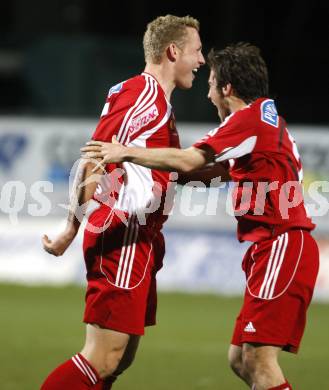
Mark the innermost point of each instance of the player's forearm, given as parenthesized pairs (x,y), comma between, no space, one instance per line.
(165,159)
(210,175)
(83,189)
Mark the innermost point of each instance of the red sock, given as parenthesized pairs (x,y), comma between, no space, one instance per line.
(284,386)
(76,373)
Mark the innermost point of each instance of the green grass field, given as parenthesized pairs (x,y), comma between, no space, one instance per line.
(41,327)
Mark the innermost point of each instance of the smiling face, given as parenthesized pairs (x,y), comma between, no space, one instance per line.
(217,98)
(189,59)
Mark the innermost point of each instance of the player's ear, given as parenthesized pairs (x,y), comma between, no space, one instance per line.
(227,90)
(172,52)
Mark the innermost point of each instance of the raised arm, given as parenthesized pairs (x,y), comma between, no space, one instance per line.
(165,159)
(84,186)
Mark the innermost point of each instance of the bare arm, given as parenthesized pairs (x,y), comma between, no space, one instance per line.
(165,159)
(206,175)
(84,186)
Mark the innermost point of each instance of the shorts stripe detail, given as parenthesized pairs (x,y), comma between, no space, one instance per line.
(266,281)
(269,265)
(274,265)
(129,251)
(123,250)
(83,368)
(132,257)
(278,251)
(276,274)
(123,256)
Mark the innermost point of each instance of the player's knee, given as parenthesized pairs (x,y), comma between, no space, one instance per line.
(111,362)
(116,364)
(249,361)
(235,363)
(105,363)
(254,367)
(235,360)
(261,363)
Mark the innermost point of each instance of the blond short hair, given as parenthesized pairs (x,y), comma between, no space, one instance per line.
(165,30)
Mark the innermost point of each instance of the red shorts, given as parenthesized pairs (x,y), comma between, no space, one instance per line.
(121,261)
(281,274)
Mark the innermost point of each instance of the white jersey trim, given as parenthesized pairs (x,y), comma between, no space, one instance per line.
(149,90)
(245,147)
(157,83)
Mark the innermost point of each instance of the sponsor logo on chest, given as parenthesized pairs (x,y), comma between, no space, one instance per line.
(143,119)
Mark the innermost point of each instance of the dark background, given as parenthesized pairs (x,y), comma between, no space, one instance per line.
(61,57)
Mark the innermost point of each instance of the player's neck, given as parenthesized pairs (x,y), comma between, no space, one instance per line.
(236,104)
(162,75)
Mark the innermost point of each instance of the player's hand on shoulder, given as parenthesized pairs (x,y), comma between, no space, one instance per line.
(109,152)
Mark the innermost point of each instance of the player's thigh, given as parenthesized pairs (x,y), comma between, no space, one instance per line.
(258,354)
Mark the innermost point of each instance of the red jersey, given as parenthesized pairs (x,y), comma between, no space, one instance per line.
(138,113)
(264,163)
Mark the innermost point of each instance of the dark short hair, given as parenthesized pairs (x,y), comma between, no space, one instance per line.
(243,67)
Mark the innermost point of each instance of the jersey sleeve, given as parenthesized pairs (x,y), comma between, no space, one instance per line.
(115,112)
(129,111)
(233,139)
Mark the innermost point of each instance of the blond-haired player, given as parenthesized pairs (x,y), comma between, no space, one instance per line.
(122,258)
